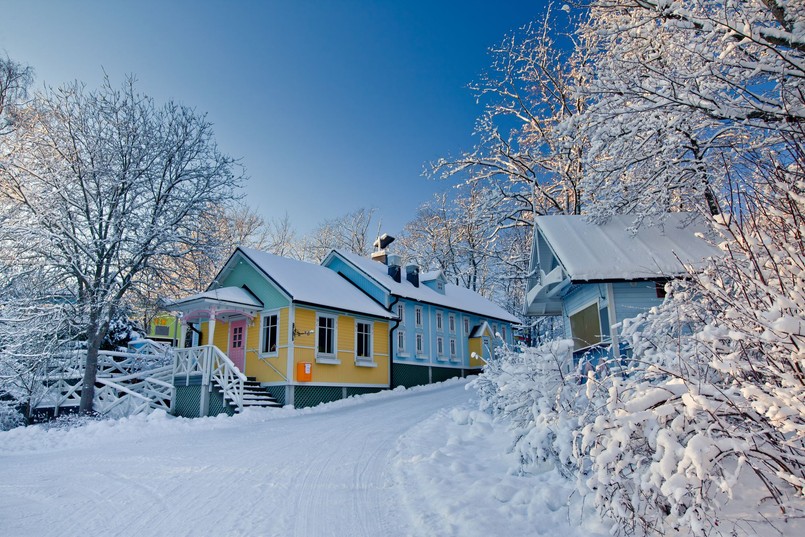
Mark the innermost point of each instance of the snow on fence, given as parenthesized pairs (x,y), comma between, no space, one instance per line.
(127,382)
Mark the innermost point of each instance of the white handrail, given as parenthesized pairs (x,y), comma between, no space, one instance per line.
(214,367)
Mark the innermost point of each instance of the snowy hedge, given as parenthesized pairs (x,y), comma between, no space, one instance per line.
(705,432)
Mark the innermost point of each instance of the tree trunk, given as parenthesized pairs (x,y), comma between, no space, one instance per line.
(90,369)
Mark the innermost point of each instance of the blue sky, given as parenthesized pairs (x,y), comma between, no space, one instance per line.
(331,106)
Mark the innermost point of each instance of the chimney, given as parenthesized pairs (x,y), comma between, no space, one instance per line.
(380,256)
(381,244)
(394,270)
(412,274)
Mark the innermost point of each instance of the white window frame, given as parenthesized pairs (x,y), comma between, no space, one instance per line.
(418,316)
(466,326)
(370,357)
(451,322)
(401,313)
(324,356)
(263,318)
(453,347)
(440,346)
(400,341)
(420,345)
(439,321)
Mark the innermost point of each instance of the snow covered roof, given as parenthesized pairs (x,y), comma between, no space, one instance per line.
(313,284)
(454,297)
(611,251)
(234,296)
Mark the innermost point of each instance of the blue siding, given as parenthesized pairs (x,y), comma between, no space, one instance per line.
(360,280)
(430,333)
(633,298)
(581,296)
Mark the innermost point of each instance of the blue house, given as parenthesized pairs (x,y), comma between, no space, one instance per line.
(442,330)
(595,276)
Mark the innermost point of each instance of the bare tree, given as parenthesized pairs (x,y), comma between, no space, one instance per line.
(15,79)
(107,186)
(348,232)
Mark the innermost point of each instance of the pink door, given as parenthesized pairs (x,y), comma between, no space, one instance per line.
(237,340)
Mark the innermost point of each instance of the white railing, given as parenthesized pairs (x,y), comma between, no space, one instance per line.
(215,368)
(129,383)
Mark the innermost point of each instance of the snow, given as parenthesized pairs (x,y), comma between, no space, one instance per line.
(612,251)
(312,284)
(399,463)
(232,295)
(455,296)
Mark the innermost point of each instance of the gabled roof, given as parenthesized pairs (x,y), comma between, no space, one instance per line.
(233,296)
(454,297)
(312,284)
(611,251)
(480,329)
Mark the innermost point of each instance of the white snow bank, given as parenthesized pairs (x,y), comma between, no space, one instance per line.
(454,471)
(160,424)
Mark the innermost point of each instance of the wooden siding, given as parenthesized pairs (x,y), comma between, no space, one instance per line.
(430,333)
(245,274)
(633,298)
(347,372)
(257,366)
(358,279)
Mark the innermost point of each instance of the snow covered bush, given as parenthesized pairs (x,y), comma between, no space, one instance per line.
(538,394)
(714,408)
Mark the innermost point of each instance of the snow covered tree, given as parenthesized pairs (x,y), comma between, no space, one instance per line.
(677,93)
(35,333)
(528,150)
(106,187)
(460,235)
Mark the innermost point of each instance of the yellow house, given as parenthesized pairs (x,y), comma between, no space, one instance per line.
(297,331)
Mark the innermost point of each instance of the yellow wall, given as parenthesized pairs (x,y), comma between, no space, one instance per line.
(476,345)
(476,349)
(258,367)
(221,336)
(347,372)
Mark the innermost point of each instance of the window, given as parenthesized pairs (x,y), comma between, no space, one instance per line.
(269,332)
(237,337)
(419,344)
(400,341)
(451,323)
(494,330)
(585,327)
(418,315)
(325,339)
(440,346)
(439,321)
(401,313)
(363,345)
(162,330)
(452,347)
(466,326)
(503,332)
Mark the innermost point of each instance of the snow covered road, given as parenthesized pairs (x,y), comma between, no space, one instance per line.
(373,466)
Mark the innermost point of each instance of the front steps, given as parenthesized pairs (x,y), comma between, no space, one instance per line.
(255,395)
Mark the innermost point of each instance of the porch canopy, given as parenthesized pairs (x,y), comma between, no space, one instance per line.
(223,303)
